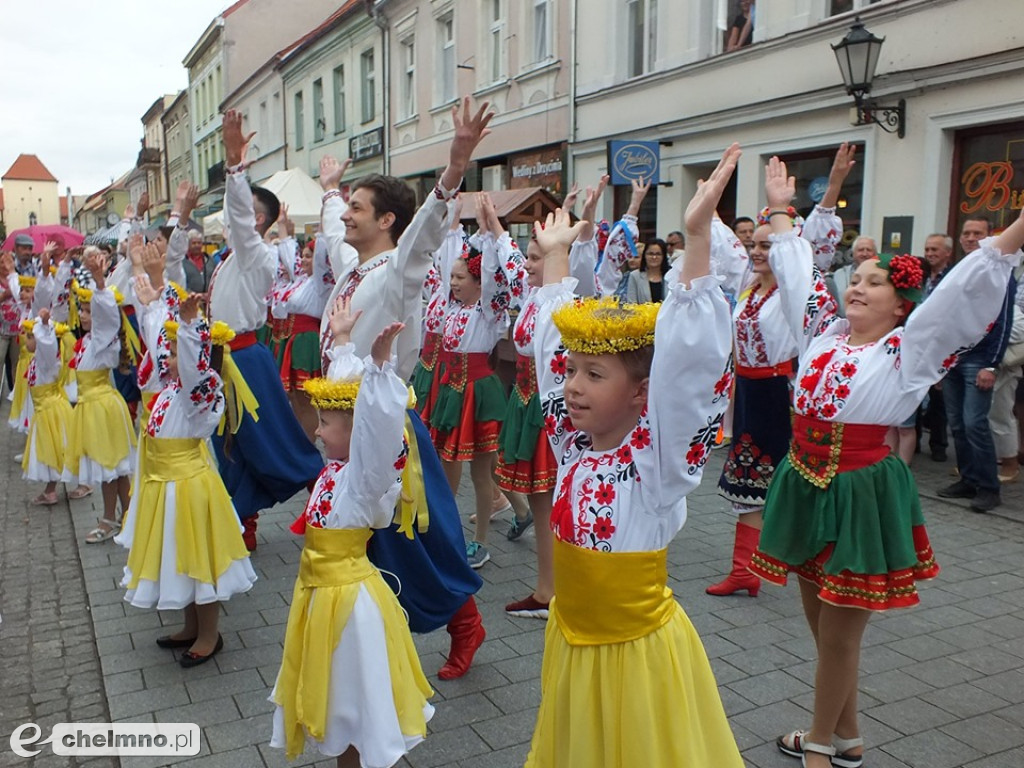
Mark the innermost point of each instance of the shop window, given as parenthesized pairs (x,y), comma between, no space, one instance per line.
(642,32)
(988,175)
(811,170)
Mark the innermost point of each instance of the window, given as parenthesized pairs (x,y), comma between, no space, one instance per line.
(264,124)
(319,121)
(339,98)
(835,7)
(300,119)
(541,30)
(446,63)
(642,28)
(495,40)
(369,96)
(408,86)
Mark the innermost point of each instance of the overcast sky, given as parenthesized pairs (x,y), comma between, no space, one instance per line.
(78,77)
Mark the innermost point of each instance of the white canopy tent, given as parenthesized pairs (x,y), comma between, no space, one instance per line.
(294,188)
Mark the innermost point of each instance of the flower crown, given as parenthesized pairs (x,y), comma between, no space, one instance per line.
(605,326)
(764,217)
(332,395)
(905,274)
(473,261)
(85,294)
(220,332)
(26,281)
(29,325)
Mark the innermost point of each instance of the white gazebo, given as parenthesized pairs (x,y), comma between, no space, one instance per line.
(293,188)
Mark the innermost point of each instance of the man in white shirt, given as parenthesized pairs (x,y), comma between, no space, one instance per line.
(270,459)
(380,252)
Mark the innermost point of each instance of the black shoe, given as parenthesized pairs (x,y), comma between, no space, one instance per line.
(938,454)
(986,500)
(961,489)
(169,642)
(189,659)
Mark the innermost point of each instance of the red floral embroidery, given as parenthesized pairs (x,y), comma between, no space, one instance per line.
(696,454)
(641,438)
(605,494)
(603,528)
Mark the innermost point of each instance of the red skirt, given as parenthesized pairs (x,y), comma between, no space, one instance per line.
(470,407)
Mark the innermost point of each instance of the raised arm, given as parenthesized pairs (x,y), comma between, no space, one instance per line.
(249,248)
(621,245)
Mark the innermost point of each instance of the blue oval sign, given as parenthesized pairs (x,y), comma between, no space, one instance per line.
(628,160)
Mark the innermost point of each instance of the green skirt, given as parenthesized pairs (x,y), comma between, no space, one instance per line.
(520,429)
(489,404)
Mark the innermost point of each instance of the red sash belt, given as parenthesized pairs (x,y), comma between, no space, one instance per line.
(243,340)
(431,350)
(463,367)
(304,324)
(787,368)
(526,377)
(822,449)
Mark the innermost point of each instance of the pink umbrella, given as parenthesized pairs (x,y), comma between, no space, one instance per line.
(40,233)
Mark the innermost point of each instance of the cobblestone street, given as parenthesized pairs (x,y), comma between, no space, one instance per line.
(942,684)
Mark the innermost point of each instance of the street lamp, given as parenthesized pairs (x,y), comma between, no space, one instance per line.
(857,56)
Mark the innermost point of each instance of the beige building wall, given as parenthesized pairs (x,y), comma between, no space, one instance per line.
(515,55)
(784,95)
(24,199)
(177,132)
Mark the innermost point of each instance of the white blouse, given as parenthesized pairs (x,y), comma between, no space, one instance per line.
(100,349)
(362,492)
(632,498)
(477,327)
(439,279)
(308,294)
(45,365)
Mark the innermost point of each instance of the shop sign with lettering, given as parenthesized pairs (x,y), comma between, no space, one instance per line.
(366,145)
(628,160)
(542,168)
(991,182)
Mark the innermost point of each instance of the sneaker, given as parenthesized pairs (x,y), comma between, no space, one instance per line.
(961,489)
(530,608)
(477,554)
(985,500)
(518,527)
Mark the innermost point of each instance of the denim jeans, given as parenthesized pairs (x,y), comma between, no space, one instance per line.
(967,410)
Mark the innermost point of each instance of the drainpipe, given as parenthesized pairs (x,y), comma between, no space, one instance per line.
(375,9)
(570,158)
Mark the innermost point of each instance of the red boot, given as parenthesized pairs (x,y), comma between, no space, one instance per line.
(747,538)
(467,631)
(249,532)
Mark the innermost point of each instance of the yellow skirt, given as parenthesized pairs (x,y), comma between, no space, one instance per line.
(101,430)
(625,681)
(21,403)
(46,449)
(332,572)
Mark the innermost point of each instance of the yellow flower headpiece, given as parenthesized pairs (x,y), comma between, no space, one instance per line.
(26,281)
(29,326)
(85,294)
(182,293)
(604,326)
(331,395)
(221,333)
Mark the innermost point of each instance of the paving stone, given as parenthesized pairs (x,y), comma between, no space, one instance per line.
(933,749)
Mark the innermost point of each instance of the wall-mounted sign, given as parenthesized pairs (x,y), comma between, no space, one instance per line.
(628,160)
(540,168)
(366,145)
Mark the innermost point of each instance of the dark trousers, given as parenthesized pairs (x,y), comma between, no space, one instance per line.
(967,410)
(934,420)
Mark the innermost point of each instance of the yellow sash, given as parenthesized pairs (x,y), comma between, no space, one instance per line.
(238,397)
(50,418)
(412,505)
(610,597)
(102,428)
(334,563)
(206,531)
(67,352)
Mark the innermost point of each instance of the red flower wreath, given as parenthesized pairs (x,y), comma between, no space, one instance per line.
(473,264)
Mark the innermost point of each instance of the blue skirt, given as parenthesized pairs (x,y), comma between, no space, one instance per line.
(270,460)
(435,577)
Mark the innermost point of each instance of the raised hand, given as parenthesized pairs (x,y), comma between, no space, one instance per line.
(570,199)
(457,213)
(153,264)
(186,199)
(701,208)
(343,320)
(558,232)
(285,226)
(380,350)
(96,264)
(235,141)
(841,167)
(188,310)
(779,188)
(470,129)
(640,190)
(6,266)
(46,257)
(129,211)
(44,316)
(144,290)
(332,172)
(590,201)
(136,247)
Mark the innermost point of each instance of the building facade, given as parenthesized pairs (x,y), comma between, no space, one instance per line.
(30,194)
(666,79)
(515,55)
(177,130)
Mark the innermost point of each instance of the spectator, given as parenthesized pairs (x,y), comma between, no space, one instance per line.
(741,33)
(743,227)
(675,243)
(938,252)
(647,283)
(198,264)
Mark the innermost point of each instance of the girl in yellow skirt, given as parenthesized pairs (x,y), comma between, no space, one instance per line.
(471,403)
(44,459)
(21,402)
(350,683)
(185,542)
(632,411)
(101,442)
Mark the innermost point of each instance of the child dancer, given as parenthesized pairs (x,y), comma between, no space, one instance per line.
(44,459)
(350,682)
(185,542)
(471,402)
(843,512)
(21,403)
(632,437)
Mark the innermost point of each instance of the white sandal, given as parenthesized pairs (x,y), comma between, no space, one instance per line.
(792,744)
(820,749)
(99,534)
